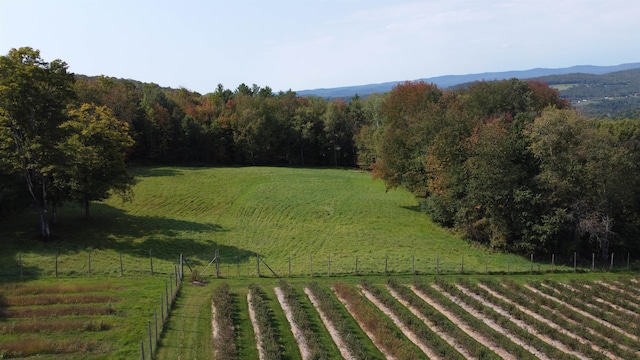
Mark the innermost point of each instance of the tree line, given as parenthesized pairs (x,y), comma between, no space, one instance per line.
(510,164)
(506,163)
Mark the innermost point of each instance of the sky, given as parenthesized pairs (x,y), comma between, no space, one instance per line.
(310,44)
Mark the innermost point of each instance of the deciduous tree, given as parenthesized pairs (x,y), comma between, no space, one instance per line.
(34,95)
(95,151)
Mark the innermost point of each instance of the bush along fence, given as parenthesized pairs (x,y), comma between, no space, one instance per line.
(155,325)
(110,263)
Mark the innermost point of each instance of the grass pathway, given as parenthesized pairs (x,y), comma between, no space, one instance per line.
(188,333)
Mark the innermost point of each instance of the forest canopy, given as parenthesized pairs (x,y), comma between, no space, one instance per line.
(509,164)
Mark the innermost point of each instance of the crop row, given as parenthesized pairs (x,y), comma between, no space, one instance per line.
(264,327)
(443,320)
(37,320)
(223,327)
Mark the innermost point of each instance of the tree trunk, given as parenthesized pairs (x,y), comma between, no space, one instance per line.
(335,154)
(43,214)
(41,203)
(87,206)
(54,213)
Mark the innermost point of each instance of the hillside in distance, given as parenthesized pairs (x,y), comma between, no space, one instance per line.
(613,95)
(452,80)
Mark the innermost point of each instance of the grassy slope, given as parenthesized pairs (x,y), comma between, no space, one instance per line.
(273,212)
(281,212)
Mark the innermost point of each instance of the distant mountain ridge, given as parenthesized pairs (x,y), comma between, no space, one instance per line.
(452,80)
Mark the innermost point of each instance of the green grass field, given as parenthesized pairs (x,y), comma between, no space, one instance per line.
(561,87)
(311,221)
(317,220)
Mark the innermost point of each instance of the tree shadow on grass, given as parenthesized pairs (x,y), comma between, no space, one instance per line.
(151,171)
(114,229)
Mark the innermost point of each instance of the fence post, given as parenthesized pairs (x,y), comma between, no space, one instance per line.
(217,263)
(150,343)
(386,261)
(593,261)
(121,270)
(151,260)
(258,264)
(531,268)
(413,264)
(611,267)
(155,316)
(142,349)
(166,292)
(175,271)
(162,309)
(181,266)
(171,286)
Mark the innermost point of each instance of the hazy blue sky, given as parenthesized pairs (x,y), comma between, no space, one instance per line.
(305,44)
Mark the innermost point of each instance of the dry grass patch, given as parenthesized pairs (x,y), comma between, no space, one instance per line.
(58,326)
(18,289)
(51,311)
(56,299)
(37,346)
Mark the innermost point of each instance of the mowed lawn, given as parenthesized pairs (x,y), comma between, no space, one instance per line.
(313,216)
(324,220)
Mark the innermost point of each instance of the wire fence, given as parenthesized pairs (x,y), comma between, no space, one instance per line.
(110,263)
(84,263)
(156,325)
(328,266)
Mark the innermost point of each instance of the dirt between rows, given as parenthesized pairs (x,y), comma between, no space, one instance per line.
(256,329)
(463,326)
(450,340)
(519,323)
(536,316)
(489,322)
(584,313)
(366,331)
(297,334)
(405,330)
(342,347)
